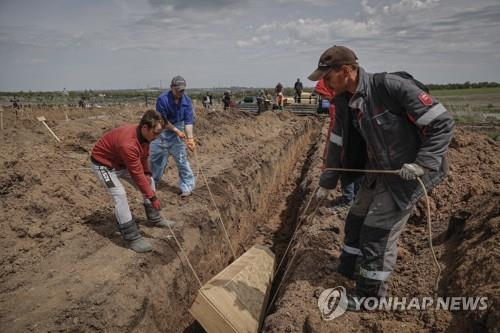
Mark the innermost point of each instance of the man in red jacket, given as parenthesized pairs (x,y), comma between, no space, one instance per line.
(348,189)
(123,153)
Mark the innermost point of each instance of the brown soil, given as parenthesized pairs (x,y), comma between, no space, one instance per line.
(465,219)
(64,266)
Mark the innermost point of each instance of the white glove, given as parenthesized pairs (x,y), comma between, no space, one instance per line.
(322,193)
(411,171)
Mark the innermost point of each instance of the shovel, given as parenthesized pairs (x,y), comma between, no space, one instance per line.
(42,119)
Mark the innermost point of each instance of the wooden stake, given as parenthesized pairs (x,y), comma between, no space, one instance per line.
(42,119)
(1,118)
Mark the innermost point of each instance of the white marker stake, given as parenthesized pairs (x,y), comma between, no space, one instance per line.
(42,119)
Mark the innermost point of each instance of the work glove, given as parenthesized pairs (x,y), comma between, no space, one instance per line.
(322,193)
(411,171)
(190,143)
(155,202)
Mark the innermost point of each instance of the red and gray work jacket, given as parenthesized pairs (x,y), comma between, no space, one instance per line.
(409,126)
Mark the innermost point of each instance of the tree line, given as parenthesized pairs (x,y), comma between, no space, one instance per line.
(152,94)
(465,85)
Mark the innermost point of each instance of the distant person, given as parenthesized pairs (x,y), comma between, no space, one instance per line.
(226,99)
(207,101)
(298,87)
(349,188)
(15,105)
(81,103)
(278,90)
(176,109)
(383,121)
(123,153)
(261,101)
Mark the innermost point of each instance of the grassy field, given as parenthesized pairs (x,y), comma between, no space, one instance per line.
(465,92)
(472,106)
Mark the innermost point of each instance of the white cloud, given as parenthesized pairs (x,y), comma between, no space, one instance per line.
(367,8)
(255,40)
(405,6)
(309,31)
(267,27)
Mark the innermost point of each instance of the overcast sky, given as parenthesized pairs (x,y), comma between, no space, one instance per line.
(104,44)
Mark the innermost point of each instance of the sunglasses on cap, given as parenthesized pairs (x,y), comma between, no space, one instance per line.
(324,65)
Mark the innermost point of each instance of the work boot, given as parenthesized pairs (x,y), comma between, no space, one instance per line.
(156,218)
(133,238)
(334,267)
(351,274)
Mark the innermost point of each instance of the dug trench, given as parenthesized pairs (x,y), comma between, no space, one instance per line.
(64,266)
(465,212)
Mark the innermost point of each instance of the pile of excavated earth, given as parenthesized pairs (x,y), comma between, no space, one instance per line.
(64,266)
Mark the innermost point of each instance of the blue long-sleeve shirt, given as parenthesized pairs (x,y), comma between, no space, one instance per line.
(175,113)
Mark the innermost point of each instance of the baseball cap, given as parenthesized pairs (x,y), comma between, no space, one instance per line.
(178,83)
(334,56)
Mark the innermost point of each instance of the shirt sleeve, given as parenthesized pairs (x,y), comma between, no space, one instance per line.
(189,114)
(132,159)
(429,115)
(161,108)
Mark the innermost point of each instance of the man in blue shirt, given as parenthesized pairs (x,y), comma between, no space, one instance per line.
(176,109)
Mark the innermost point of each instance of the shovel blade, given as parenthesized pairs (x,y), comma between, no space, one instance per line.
(42,118)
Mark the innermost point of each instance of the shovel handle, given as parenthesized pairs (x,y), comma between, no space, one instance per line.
(51,132)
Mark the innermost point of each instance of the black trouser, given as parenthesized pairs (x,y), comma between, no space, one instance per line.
(372,230)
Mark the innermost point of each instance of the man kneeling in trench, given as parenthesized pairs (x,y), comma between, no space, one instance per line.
(123,153)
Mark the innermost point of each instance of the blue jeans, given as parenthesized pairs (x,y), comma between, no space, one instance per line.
(168,143)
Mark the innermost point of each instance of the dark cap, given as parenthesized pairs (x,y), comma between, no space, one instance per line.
(178,83)
(334,56)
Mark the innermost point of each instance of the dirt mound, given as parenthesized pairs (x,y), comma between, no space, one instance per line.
(473,258)
(64,266)
(465,223)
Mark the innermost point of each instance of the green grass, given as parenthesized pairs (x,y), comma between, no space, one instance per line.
(495,136)
(465,92)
